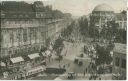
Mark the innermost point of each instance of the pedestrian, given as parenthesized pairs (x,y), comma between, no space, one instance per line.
(66,53)
(68,64)
(52,59)
(49,59)
(64,66)
(59,66)
(84,72)
(99,78)
(90,78)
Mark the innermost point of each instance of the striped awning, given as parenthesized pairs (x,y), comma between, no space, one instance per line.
(33,56)
(17,59)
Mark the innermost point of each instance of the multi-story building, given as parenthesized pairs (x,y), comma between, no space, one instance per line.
(25,27)
(103,18)
(121,19)
(100,15)
(119,62)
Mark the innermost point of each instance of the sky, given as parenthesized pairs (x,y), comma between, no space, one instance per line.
(82,7)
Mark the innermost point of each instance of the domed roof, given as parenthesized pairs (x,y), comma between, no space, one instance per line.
(103,7)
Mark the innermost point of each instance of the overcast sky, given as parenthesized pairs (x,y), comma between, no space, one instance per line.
(82,7)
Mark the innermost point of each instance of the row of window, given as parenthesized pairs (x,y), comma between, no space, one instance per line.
(28,21)
(120,62)
(122,24)
(18,22)
(16,16)
(25,38)
(19,33)
(106,15)
(20,50)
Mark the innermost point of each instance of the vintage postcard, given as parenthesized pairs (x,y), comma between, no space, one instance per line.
(63,39)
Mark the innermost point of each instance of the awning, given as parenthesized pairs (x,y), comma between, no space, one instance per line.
(43,53)
(57,78)
(2,64)
(35,55)
(50,47)
(17,59)
(47,52)
(116,74)
(54,56)
(39,68)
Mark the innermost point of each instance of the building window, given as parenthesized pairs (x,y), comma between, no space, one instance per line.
(26,15)
(123,64)
(2,15)
(117,61)
(16,22)
(14,16)
(21,16)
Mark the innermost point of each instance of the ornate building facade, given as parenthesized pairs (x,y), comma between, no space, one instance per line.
(100,15)
(119,62)
(121,19)
(25,27)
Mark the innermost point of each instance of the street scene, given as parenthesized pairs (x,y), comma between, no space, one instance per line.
(63,40)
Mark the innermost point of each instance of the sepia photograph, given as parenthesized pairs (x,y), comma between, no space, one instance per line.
(63,39)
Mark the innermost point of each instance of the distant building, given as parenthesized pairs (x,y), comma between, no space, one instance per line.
(121,19)
(119,61)
(100,15)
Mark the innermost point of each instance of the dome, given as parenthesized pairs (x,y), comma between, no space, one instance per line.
(103,7)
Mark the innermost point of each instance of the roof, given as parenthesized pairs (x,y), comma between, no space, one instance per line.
(120,48)
(32,56)
(103,7)
(17,59)
(22,9)
(15,6)
(120,16)
(2,64)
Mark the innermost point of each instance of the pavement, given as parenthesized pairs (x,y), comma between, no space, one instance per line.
(70,52)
